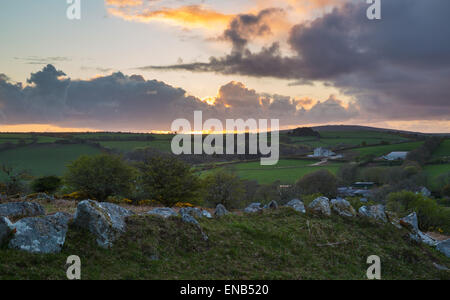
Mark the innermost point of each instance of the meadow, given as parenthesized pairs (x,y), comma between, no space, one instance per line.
(378,151)
(348,139)
(45,159)
(443,150)
(287,171)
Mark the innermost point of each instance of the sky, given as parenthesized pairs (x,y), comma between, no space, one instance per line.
(137,65)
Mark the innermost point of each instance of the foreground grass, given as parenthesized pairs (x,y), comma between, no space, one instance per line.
(274,245)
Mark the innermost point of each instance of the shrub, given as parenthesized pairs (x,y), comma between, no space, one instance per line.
(429,213)
(14,182)
(347,174)
(223,187)
(100,176)
(168,180)
(46,184)
(446,191)
(322,182)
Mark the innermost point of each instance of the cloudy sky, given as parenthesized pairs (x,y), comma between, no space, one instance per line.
(136,65)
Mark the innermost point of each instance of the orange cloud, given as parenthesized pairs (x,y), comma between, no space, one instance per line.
(41,128)
(123,3)
(186,16)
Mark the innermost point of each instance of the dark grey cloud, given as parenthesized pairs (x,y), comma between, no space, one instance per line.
(395,67)
(247,26)
(37,60)
(122,102)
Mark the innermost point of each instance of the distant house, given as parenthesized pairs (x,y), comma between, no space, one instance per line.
(322,152)
(363,185)
(395,156)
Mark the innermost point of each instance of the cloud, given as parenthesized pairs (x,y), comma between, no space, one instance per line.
(190,16)
(122,102)
(396,67)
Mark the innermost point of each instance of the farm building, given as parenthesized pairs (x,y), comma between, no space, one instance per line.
(395,156)
(322,152)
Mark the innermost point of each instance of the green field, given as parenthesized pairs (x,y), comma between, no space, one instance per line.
(40,160)
(434,171)
(443,150)
(378,151)
(287,171)
(347,138)
(127,146)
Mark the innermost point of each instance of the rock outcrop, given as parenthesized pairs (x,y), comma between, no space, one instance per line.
(105,220)
(44,234)
(195,212)
(444,247)
(375,212)
(411,222)
(343,208)
(164,212)
(14,210)
(297,205)
(5,229)
(220,211)
(321,205)
(253,208)
(272,205)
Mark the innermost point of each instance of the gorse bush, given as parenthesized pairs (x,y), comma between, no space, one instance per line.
(100,176)
(46,184)
(429,212)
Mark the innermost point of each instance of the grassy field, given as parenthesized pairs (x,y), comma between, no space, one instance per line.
(281,244)
(443,150)
(40,160)
(127,146)
(349,138)
(378,151)
(434,171)
(287,171)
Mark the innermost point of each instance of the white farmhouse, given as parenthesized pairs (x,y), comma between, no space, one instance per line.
(322,152)
(395,156)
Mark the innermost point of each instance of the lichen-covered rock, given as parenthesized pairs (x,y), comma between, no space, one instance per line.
(187,218)
(220,211)
(297,205)
(343,208)
(195,212)
(21,210)
(444,247)
(206,214)
(411,222)
(164,212)
(321,205)
(253,208)
(43,234)
(373,212)
(272,205)
(5,229)
(105,220)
